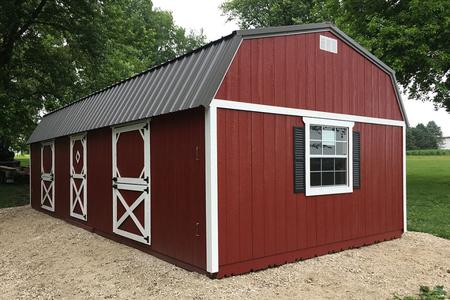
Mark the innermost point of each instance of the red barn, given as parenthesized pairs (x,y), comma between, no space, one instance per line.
(264,147)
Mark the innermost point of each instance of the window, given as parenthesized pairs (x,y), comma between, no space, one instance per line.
(328,156)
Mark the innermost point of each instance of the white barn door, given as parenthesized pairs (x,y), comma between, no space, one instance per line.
(78,177)
(48,175)
(131,181)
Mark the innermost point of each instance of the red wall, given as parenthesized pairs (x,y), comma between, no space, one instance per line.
(263,222)
(177,186)
(292,71)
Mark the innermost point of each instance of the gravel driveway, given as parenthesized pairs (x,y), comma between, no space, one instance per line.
(43,257)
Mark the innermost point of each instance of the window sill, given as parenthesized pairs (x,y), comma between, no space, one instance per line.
(332,190)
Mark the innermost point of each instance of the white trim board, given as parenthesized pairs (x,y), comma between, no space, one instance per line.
(212,226)
(279,110)
(212,209)
(405,228)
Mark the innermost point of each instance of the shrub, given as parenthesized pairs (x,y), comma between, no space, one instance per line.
(428,152)
(437,293)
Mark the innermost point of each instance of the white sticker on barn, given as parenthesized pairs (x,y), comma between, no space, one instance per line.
(328,44)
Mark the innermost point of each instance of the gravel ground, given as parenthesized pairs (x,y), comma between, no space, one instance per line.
(43,257)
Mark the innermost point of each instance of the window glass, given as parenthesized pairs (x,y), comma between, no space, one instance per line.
(315,179)
(341,148)
(329,155)
(316,164)
(316,148)
(316,133)
(341,134)
(328,134)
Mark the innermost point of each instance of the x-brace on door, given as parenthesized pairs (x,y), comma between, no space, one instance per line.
(78,176)
(131,181)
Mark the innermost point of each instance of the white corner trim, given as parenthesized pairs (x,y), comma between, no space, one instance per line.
(405,223)
(212,224)
(31,173)
(328,190)
(279,110)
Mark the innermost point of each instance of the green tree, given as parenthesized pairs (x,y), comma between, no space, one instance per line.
(409,35)
(53,52)
(435,133)
(424,137)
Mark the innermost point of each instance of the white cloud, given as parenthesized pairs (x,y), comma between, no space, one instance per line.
(206,15)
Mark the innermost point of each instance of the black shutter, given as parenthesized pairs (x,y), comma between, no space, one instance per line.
(356,160)
(299,159)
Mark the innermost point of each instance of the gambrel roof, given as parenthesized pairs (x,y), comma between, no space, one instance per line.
(188,81)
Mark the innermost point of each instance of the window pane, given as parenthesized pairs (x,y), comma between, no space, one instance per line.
(315,148)
(340,164)
(341,177)
(328,134)
(341,134)
(327,164)
(315,164)
(341,148)
(327,178)
(315,178)
(315,132)
(328,148)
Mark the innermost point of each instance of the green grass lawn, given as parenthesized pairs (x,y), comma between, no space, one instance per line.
(428,184)
(14,195)
(24,159)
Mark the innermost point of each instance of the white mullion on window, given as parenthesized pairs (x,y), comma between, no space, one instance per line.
(328,189)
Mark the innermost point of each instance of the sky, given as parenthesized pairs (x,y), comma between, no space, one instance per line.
(205,15)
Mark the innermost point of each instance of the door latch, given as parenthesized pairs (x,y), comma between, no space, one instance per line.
(197,229)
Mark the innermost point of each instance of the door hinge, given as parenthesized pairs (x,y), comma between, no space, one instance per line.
(146,190)
(146,238)
(114,186)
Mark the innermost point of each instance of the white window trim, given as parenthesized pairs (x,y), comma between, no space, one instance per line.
(328,190)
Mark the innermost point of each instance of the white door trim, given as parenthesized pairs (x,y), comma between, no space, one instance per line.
(141,184)
(48,193)
(75,193)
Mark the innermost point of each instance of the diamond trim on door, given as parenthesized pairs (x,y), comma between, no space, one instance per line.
(48,193)
(76,192)
(137,184)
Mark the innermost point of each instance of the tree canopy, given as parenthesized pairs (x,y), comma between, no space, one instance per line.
(53,52)
(424,137)
(411,36)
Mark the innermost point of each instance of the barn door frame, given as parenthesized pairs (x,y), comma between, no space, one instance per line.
(48,193)
(75,193)
(137,184)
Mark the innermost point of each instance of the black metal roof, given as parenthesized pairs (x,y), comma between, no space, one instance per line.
(190,80)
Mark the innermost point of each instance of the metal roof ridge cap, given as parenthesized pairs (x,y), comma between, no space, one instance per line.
(283,29)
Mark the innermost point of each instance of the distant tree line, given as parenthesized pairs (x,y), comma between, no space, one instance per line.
(424,137)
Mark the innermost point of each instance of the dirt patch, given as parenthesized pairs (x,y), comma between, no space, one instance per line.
(43,257)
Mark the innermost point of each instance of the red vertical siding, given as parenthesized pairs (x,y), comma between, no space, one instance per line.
(99,175)
(35,187)
(62,177)
(260,217)
(177,186)
(292,71)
